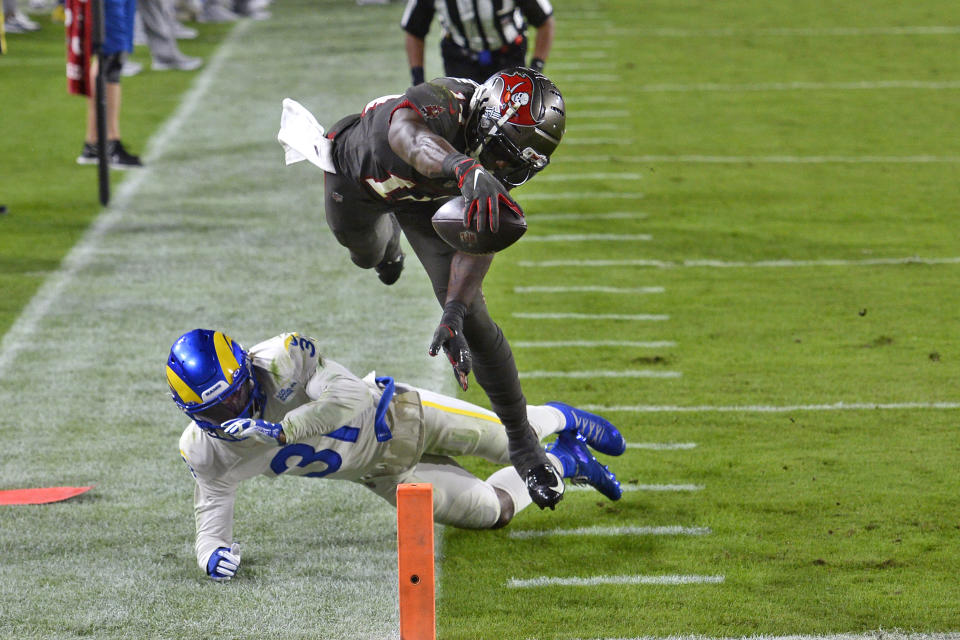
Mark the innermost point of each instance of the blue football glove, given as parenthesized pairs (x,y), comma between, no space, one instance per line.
(223,563)
(259,430)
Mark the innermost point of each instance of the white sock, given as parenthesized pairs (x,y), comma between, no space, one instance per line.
(507,479)
(545,420)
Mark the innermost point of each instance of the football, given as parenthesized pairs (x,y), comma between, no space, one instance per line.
(448,223)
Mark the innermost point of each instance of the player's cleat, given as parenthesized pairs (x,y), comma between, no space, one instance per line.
(581,467)
(544,485)
(597,431)
(389,270)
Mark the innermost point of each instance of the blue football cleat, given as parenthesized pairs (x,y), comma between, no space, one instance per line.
(597,431)
(581,467)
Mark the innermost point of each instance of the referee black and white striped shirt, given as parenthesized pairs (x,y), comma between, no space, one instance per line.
(477,25)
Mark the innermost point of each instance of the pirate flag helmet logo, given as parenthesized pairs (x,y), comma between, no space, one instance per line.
(516,120)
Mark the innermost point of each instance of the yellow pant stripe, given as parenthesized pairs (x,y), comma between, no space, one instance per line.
(462,412)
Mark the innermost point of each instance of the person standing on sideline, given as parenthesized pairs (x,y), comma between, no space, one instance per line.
(479,39)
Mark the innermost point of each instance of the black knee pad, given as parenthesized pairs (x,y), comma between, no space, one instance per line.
(112,65)
(507,508)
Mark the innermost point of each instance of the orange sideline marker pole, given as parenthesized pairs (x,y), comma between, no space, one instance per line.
(415,561)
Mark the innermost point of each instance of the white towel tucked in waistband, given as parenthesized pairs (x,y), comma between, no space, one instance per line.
(302,137)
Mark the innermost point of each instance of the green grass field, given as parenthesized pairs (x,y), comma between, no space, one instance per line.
(744,253)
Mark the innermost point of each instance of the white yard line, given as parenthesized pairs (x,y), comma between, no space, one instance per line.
(881,634)
(591,237)
(589,344)
(759,408)
(599,114)
(667,32)
(589,289)
(617,215)
(629,488)
(580,142)
(662,446)
(721,264)
(591,581)
(629,373)
(780,159)
(21,332)
(565,177)
(638,317)
(581,195)
(853,85)
(674,530)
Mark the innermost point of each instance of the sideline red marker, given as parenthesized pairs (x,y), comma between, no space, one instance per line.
(40,496)
(415,561)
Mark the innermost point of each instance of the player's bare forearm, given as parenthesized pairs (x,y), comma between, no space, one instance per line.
(416,144)
(466,276)
(544,39)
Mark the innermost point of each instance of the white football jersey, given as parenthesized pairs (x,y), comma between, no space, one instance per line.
(327,414)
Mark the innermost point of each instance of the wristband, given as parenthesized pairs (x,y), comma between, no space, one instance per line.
(449,165)
(417,74)
(537,64)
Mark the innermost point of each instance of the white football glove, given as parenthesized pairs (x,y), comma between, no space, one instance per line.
(223,563)
(259,430)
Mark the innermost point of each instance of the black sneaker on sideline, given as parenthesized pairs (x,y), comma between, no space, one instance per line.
(117,155)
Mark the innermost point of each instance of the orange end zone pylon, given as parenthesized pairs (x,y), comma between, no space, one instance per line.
(40,496)
(415,561)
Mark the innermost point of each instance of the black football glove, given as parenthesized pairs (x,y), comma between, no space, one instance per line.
(482,192)
(449,335)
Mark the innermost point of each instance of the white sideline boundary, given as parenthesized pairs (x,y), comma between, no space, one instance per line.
(591,581)
(674,530)
(735,264)
(836,406)
(80,255)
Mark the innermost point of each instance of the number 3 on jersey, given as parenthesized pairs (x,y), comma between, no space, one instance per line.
(316,463)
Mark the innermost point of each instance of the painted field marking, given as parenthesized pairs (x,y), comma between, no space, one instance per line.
(856,85)
(582,195)
(646,487)
(629,373)
(596,63)
(596,126)
(578,142)
(919,30)
(595,98)
(616,215)
(706,159)
(879,634)
(591,581)
(674,530)
(565,177)
(638,317)
(662,446)
(20,333)
(760,264)
(590,344)
(591,237)
(836,406)
(589,289)
(600,114)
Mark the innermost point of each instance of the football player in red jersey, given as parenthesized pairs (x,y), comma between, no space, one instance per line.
(397,162)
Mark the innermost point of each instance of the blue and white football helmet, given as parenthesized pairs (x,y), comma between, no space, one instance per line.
(211,380)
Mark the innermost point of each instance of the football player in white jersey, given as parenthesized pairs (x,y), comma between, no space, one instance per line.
(282,408)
